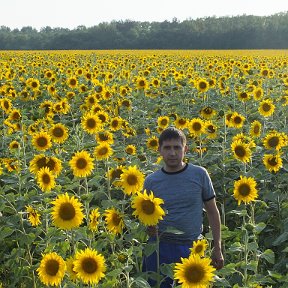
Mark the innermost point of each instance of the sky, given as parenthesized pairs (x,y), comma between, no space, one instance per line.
(73,13)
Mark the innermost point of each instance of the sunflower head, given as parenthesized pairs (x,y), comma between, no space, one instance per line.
(245,190)
(148,208)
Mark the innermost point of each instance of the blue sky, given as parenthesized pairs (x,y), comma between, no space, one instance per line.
(72,13)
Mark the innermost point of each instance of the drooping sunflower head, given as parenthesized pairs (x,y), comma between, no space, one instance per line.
(104,136)
(14,145)
(93,219)
(255,129)
(82,164)
(33,216)
(194,271)
(181,122)
(199,247)
(70,268)
(132,180)
(207,112)
(114,220)
(52,269)
(89,266)
(210,129)
(67,212)
(245,190)
(148,208)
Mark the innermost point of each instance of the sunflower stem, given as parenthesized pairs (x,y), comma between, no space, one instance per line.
(158,259)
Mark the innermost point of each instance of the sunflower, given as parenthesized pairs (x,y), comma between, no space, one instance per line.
(14,115)
(33,83)
(89,265)
(147,208)
(81,164)
(103,151)
(67,212)
(41,141)
(91,123)
(207,112)
(93,219)
(152,143)
(196,126)
(104,137)
(210,130)
(258,93)
(241,151)
(180,122)
(115,173)
(163,121)
(130,149)
(255,128)
(199,247)
(70,268)
(132,180)
(273,163)
(59,133)
(141,83)
(245,190)
(266,108)
(194,271)
(13,145)
(103,117)
(72,82)
(40,161)
(202,85)
(33,216)
(116,123)
(236,120)
(6,105)
(243,96)
(114,220)
(45,179)
(274,140)
(52,269)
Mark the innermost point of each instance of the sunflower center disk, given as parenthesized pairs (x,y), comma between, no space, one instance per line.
(67,211)
(132,180)
(52,267)
(244,190)
(81,163)
(58,132)
(42,142)
(240,152)
(89,265)
(148,207)
(273,141)
(46,179)
(194,274)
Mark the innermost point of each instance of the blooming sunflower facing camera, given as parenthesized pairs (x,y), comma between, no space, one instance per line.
(245,190)
(199,247)
(81,164)
(147,208)
(89,265)
(67,212)
(194,271)
(52,269)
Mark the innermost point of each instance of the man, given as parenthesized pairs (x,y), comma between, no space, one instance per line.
(185,189)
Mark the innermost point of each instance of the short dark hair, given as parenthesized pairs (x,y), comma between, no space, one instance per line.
(172,133)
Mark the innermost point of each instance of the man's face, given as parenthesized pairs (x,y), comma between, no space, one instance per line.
(173,152)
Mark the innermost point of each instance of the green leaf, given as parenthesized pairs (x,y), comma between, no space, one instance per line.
(282,238)
(269,256)
(5,232)
(259,227)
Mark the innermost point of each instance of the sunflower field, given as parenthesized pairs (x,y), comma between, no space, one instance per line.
(79,133)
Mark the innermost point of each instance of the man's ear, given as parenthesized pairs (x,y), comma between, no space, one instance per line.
(186,148)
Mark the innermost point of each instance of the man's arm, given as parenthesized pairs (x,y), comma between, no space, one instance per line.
(215,224)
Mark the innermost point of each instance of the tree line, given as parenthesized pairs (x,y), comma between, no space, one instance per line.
(237,32)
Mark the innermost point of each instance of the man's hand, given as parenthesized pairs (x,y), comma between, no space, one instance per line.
(217,258)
